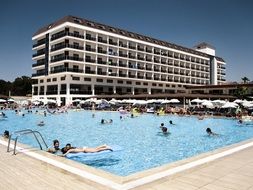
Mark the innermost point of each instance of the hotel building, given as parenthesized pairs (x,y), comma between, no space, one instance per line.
(77,58)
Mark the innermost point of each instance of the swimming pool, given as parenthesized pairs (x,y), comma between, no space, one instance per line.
(143,145)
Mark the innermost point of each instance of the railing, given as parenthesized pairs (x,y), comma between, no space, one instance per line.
(25,132)
(66,69)
(39,43)
(63,57)
(60,35)
(38,74)
(67,46)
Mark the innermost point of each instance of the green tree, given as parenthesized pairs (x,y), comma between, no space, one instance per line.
(5,87)
(241,92)
(245,80)
(22,86)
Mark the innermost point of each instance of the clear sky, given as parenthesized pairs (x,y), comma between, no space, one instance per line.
(225,24)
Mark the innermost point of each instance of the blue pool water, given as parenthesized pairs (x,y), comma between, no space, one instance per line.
(144,146)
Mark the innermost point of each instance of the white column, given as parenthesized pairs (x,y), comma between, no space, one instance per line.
(93,89)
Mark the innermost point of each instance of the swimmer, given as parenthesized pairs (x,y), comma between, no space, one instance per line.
(209,132)
(41,123)
(45,114)
(93,115)
(69,149)
(103,121)
(6,134)
(55,148)
(164,129)
(171,122)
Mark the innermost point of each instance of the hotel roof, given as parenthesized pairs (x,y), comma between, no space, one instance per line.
(122,32)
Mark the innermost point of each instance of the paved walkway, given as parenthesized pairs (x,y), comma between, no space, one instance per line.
(21,172)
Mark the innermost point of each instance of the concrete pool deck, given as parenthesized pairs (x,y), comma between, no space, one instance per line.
(234,171)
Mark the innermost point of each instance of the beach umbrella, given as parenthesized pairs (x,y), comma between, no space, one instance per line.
(11,100)
(238,101)
(196,101)
(113,101)
(174,101)
(230,105)
(165,102)
(208,104)
(2,101)
(151,101)
(140,102)
(76,100)
(51,101)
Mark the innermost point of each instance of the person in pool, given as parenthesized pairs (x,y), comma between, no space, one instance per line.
(6,134)
(171,122)
(210,133)
(164,129)
(69,149)
(55,148)
(41,123)
(103,121)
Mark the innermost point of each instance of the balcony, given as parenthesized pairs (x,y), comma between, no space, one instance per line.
(101,40)
(140,77)
(149,50)
(122,75)
(38,74)
(39,53)
(90,72)
(90,60)
(101,73)
(157,69)
(42,92)
(64,57)
(156,61)
(122,45)
(39,43)
(89,37)
(39,63)
(157,52)
(140,48)
(112,74)
(122,54)
(132,56)
(156,78)
(102,51)
(101,62)
(148,59)
(112,63)
(122,65)
(51,92)
(149,68)
(67,46)
(141,67)
(131,47)
(148,78)
(66,69)
(88,48)
(63,33)
(140,58)
(132,76)
(113,43)
(163,61)
(80,92)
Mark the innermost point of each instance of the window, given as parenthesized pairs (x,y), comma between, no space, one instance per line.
(145,84)
(87,79)
(99,80)
(129,82)
(167,85)
(138,83)
(41,81)
(54,79)
(160,85)
(109,81)
(120,81)
(48,80)
(63,78)
(75,78)
(153,84)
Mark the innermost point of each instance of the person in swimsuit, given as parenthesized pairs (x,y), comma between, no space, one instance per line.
(69,149)
(55,148)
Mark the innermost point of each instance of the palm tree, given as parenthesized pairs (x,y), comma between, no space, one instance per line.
(245,80)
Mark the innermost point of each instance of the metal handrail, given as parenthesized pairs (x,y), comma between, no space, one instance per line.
(24,132)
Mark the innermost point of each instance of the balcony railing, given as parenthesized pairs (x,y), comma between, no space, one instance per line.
(67,46)
(39,43)
(101,62)
(102,51)
(63,57)
(90,72)
(122,75)
(90,60)
(122,55)
(102,40)
(60,35)
(101,73)
(38,53)
(80,92)
(122,65)
(66,69)
(39,63)
(87,48)
(90,38)
(52,92)
(38,74)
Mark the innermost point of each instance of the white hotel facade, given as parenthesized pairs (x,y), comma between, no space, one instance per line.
(77,58)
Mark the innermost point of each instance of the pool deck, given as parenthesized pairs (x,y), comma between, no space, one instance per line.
(22,171)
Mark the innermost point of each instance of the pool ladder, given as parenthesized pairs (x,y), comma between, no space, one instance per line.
(25,132)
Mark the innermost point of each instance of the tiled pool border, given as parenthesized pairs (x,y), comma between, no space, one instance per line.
(135,180)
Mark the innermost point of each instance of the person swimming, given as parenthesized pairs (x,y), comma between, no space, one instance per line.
(210,133)
(6,134)
(41,123)
(171,122)
(69,149)
(164,129)
(56,147)
(103,121)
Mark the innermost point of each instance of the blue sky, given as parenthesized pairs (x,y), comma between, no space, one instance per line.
(225,24)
